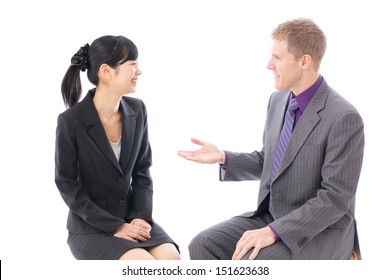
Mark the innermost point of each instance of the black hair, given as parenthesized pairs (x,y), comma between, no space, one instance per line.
(110,50)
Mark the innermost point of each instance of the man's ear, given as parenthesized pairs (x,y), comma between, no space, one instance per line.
(306,61)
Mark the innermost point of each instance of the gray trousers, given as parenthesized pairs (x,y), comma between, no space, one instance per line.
(219,241)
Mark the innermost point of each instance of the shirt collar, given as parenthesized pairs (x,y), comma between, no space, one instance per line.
(304,98)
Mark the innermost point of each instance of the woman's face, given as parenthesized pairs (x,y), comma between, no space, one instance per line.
(126,76)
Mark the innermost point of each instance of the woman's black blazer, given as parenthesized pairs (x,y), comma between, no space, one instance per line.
(101,192)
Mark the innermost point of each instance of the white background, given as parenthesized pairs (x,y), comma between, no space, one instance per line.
(204,76)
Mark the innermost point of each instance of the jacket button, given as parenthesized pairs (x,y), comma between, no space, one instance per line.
(121,181)
(302,242)
(122,203)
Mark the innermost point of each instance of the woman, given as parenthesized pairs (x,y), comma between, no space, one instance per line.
(103,158)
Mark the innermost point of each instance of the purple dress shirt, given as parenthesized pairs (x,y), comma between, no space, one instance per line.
(305,97)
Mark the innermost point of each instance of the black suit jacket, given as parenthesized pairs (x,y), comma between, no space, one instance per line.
(101,192)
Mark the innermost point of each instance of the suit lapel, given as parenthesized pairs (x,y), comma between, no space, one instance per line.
(96,130)
(277,118)
(128,132)
(305,126)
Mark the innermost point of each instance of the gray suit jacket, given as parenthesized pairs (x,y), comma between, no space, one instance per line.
(313,194)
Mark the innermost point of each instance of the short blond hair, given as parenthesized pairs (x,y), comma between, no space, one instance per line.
(303,36)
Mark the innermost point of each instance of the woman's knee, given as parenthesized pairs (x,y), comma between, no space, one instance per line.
(166,251)
(137,254)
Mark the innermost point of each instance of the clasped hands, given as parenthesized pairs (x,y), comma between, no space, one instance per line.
(135,231)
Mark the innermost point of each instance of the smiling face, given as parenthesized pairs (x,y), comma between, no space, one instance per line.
(126,76)
(286,68)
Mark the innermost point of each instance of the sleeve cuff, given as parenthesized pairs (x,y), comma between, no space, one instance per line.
(275,233)
(224,165)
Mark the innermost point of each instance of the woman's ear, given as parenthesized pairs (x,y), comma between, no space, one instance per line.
(106,72)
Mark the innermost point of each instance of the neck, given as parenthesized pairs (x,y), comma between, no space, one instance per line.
(304,83)
(106,103)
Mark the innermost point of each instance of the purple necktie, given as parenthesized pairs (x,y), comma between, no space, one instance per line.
(284,137)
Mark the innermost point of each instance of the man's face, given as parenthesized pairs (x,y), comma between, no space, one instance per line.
(286,68)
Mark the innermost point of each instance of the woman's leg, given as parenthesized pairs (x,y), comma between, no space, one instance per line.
(166,251)
(137,254)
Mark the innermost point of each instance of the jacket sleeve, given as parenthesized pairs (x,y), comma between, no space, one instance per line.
(68,184)
(243,166)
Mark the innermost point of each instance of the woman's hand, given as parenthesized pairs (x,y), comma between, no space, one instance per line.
(135,231)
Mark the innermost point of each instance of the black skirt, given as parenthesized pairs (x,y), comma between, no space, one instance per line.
(108,247)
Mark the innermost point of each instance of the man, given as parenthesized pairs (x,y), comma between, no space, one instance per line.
(308,168)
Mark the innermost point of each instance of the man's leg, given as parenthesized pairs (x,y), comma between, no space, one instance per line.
(219,241)
(277,251)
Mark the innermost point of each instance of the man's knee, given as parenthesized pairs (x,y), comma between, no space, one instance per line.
(197,245)
(277,251)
